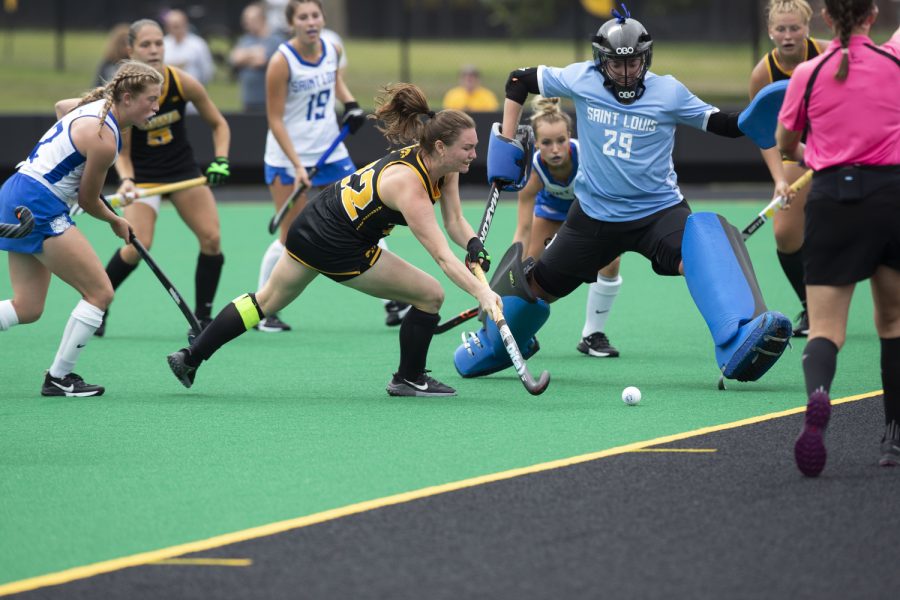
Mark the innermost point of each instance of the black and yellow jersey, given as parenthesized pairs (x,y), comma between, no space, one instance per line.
(777,73)
(159,148)
(355,204)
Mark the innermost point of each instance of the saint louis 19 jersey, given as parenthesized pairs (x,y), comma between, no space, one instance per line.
(56,163)
(626,168)
(309,109)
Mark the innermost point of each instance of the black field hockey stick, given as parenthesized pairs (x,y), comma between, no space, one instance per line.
(769,211)
(457,320)
(20,229)
(170,287)
(292,199)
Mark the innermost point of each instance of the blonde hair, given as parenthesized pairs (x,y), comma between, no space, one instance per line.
(547,110)
(133,77)
(403,110)
(782,7)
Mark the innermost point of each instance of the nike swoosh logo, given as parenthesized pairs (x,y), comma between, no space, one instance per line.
(64,388)
(421,388)
(79,345)
(600,312)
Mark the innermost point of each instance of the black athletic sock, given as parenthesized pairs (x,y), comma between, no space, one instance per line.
(819,364)
(890,378)
(416,332)
(792,265)
(118,270)
(206,280)
(227,325)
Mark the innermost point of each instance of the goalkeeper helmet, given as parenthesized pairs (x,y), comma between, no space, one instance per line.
(622,52)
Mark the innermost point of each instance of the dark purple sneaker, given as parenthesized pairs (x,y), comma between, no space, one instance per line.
(809,449)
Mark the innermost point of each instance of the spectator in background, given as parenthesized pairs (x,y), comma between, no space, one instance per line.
(116,51)
(185,50)
(470,95)
(250,56)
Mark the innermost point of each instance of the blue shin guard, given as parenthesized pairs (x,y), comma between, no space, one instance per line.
(482,352)
(748,337)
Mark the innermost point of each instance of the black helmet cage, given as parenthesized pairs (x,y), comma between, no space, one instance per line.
(623,39)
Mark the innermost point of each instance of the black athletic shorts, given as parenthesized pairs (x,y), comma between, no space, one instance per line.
(584,245)
(328,243)
(852,224)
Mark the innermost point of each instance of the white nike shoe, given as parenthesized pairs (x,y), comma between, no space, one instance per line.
(71,385)
(423,386)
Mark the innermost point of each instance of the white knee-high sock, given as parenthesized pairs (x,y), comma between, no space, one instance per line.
(83,322)
(269,259)
(601,295)
(8,316)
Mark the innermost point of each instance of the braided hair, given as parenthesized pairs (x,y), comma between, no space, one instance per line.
(405,118)
(846,15)
(547,110)
(132,77)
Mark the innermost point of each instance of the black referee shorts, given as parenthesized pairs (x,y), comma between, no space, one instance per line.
(852,224)
(584,245)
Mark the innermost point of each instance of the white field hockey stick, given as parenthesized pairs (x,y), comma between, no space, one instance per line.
(116,200)
(512,348)
(20,229)
(279,216)
(769,211)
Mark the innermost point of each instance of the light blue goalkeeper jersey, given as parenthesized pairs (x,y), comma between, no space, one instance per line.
(626,168)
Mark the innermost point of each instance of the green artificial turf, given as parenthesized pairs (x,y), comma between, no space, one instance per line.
(281,426)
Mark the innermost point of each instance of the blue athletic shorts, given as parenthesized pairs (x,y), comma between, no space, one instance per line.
(51,215)
(550,207)
(329,173)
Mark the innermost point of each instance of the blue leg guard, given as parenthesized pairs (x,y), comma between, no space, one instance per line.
(483,353)
(719,274)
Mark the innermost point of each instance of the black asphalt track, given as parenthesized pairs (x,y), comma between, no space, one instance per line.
(740,522)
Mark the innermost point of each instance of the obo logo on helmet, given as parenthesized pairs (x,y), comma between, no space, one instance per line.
(617,38)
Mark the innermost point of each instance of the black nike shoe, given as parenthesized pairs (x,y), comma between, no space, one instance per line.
(272,324)
(423,386)
(72,385)
(597,344)
(890,446)
(183,371)
(801,329)
(395,311)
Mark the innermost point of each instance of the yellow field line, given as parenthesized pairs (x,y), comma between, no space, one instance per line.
(205,562)
(687,450)
(154,556)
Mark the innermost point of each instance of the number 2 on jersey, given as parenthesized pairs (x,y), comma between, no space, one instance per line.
(624,144)
(315,109)
(356,192)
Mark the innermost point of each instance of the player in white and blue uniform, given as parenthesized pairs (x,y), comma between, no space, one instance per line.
(629,200)
(303,79)
(544,203)
(68,166)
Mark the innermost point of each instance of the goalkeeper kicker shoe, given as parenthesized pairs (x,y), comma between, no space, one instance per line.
(423,386)
(72,385)
(597,344)
(183,371)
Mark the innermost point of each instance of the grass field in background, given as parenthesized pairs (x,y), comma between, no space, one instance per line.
(279,426)
(30,81)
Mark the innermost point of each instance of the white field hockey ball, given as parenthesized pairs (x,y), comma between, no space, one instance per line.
(631,395)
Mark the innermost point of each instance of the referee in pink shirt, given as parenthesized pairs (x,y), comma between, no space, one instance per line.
(848,102)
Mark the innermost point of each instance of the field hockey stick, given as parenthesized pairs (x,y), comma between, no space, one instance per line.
(769,211)
(170,287)
(167,188)
(512,348)
(279,216)
(458,319)
(20,229)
